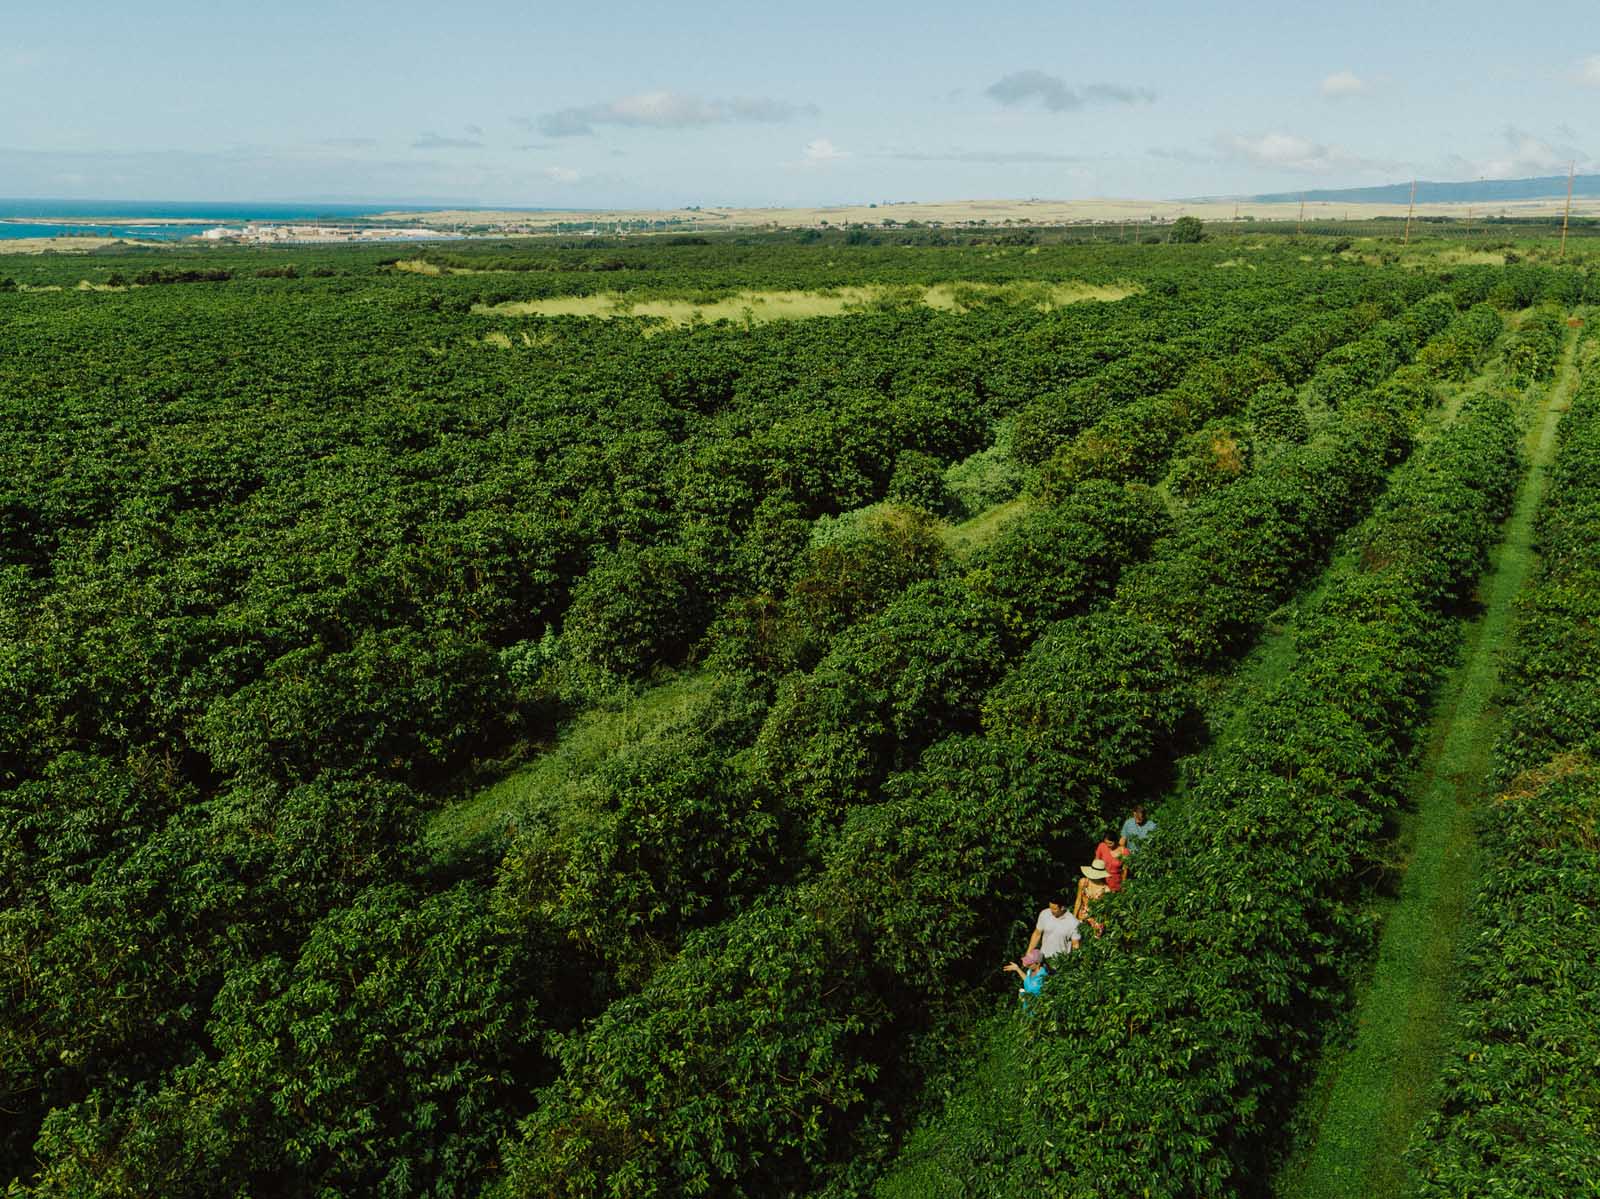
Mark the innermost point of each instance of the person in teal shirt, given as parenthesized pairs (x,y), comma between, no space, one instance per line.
(1031,972)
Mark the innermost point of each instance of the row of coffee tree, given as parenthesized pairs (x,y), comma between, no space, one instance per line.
(264,544)
(1179,1038)
(1518,1107)
(894,680)
(748,1061)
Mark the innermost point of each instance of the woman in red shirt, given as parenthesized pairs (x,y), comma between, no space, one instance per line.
(1112,855)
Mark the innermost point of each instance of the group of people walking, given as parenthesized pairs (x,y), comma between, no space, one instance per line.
(1059,931)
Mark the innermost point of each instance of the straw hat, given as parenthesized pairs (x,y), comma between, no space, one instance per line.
(1096,872)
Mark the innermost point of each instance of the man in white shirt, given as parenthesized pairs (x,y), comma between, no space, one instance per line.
(1056,931)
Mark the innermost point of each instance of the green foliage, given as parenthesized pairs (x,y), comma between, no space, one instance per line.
(983,480)
(376,1062)
(1553,675)
(1532,353)
(1186,229)
(1049,564)
(1227,569)
(285,565)
(666,835)
(767,996)
(854,566)
(1235,976)
(1274,415)
(634,608)
(1463,346)
(1518,1108)
(155,277)
(918,482)
(311,709)
(892,683)
(711,1080)
(1134,441)
(1350,370)
(1210,459)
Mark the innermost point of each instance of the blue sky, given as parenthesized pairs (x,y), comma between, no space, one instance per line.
(662,104)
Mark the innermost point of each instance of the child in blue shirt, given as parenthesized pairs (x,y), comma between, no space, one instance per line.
(1032,977)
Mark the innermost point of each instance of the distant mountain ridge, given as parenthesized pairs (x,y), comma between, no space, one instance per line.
(1476,191)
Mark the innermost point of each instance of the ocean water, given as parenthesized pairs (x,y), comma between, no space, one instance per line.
(86,217)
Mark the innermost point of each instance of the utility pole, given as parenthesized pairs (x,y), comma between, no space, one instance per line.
(1301,223)
(1409,211)
(1567,212)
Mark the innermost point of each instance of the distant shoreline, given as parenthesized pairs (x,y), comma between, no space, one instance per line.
(119,221)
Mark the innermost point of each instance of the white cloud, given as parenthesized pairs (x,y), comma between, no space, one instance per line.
(1286,151)
(1589,71)
(665,110)
(562,174)
(819,152)
(1343,83)
(1527,154)
(662,109)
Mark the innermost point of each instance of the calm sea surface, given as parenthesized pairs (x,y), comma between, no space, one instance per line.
(86,217)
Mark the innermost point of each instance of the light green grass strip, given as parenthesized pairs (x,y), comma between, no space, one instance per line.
(968,537)
(555,779)
(1373,1095)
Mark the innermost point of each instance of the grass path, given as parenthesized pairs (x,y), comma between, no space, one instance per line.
(933,1161)
(1370,1095)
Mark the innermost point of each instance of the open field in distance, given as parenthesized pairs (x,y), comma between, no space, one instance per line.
(956,212)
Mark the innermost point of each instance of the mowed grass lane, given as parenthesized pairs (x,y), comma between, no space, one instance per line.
(1370,1096)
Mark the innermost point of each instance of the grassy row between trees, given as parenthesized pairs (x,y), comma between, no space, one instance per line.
(877,646)
(1373,1089)
(976,1129)
(747,1062)
(1519,1113)
(1174,1044)
(868,672)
